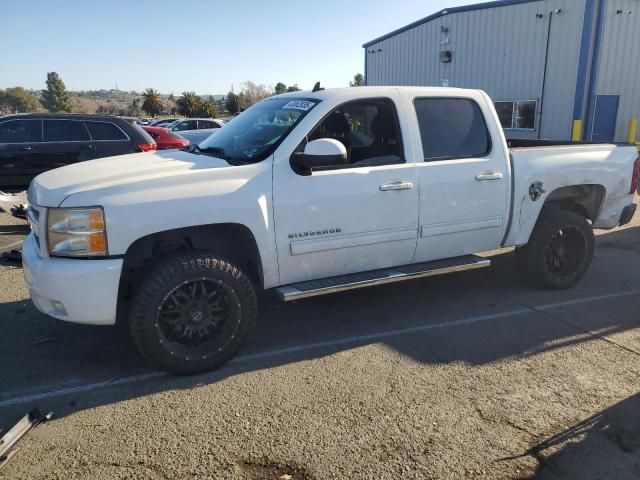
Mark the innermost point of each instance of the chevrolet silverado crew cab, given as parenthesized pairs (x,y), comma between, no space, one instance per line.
(309,193)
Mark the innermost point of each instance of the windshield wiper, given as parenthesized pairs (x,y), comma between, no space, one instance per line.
(217,152)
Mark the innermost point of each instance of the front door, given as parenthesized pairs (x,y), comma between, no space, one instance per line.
(353,217)
(604,118)
(464,179)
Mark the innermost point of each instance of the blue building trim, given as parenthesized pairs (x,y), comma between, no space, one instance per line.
(593,76)
(583,62)
(466,8)
(366,70)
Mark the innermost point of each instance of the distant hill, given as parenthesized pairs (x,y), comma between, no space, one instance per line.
(120,102)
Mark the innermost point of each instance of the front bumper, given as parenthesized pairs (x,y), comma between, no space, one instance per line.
(627,214)
(73,290)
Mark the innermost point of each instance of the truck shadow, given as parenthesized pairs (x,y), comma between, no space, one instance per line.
(606,445)
(476,317)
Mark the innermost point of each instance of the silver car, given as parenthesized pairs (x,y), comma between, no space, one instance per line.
(195,129)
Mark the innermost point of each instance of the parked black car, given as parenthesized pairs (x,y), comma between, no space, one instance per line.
(34,143)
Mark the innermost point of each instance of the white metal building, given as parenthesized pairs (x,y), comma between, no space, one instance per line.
(556,69)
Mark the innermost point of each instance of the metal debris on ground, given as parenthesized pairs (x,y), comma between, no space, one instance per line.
(18,431)
(14,203)
(12,255)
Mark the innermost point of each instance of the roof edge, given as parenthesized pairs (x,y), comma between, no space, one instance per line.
(446,11)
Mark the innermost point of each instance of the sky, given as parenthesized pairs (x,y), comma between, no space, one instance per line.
(199,45)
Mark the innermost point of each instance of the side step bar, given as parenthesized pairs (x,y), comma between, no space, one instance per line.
(324,286)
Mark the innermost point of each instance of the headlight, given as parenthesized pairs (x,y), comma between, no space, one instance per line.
(76,232)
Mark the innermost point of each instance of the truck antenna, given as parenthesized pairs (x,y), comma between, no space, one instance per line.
(317,87)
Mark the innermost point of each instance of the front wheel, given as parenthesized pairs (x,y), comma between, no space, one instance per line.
(559,251)
(192,313)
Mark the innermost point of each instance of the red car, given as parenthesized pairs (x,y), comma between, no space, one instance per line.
(165,138)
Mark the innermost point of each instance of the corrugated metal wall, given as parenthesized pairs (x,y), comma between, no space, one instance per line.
(619,65)
(500,50)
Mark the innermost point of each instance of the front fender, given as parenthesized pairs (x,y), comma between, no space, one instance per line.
(239,195)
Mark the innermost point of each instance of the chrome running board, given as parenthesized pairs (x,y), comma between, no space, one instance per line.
(313,288)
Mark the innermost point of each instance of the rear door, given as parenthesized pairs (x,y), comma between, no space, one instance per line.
(20,151)
(206,128)
(66,141)
(463,178)
(108,139)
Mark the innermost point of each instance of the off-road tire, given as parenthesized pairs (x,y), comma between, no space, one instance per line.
(535,260)
(163,278)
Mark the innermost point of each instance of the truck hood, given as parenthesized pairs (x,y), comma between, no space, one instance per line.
(51,188)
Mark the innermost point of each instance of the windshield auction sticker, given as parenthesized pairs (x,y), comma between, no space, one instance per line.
(299,105)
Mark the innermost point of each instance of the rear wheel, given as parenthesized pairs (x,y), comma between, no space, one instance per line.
(559,251)
(192,313)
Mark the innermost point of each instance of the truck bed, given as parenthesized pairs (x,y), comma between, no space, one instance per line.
(527,143)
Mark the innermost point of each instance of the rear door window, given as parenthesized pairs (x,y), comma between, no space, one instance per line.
(186,125)
(207,124)
(451,128)
(21,131)
(65,131)
(105,131)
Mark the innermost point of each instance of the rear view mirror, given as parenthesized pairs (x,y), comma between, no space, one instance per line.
(322,152)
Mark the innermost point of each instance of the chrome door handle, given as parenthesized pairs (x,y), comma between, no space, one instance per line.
(489,176)
(396,186)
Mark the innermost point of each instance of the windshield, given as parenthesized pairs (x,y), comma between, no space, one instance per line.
(254,134)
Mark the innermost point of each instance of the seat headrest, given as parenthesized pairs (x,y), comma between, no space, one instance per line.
(382,126)
(338,124)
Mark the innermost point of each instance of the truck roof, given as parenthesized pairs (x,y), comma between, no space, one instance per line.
(356,92)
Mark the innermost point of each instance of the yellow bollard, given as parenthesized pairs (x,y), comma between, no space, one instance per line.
(576,133)
(633,128)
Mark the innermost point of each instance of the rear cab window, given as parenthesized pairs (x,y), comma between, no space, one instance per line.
(65,131)
(451,128)
(105,131)
(21,131)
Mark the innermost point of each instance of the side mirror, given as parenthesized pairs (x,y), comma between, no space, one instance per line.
(322,152)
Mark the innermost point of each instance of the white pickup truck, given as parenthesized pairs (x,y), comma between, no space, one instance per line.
(310,193)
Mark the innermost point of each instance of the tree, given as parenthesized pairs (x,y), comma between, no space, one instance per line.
(188,104)
(207,108)
(152,104)
(232,103)
(252,93)
(358,80)
(293,88)
(280,88)
(134,109)
(18,100)
(56,98)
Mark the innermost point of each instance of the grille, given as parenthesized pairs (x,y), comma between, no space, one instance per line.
(33,215)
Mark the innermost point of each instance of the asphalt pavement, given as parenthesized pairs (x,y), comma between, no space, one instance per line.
(470,375)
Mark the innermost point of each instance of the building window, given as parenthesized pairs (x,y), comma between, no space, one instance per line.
(519,114)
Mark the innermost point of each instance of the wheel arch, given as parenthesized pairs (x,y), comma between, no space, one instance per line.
(231,241)
(586,200)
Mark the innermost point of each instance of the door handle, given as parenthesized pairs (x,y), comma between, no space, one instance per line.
(489,176)
(88,147)
(396,186)
(26,148)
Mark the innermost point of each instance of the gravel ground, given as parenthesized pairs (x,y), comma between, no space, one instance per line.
(471,375)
